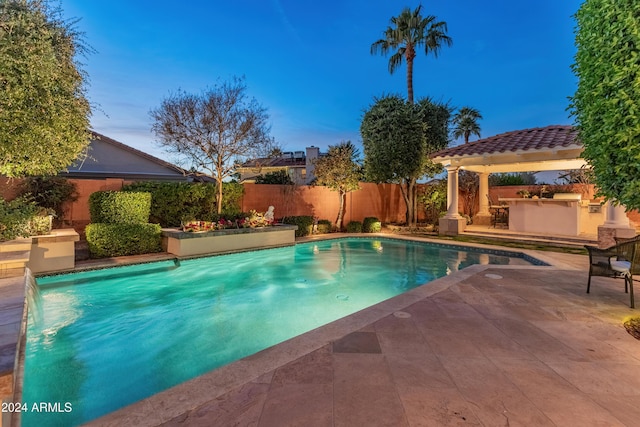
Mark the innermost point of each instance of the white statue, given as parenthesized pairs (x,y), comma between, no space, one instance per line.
(268,215)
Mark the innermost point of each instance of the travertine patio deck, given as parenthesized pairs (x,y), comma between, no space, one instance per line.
(487,346)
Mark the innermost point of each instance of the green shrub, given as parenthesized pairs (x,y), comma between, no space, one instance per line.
(280,177)
(40,224)
(15,218)
(324,226)
(354,227)
(304,223)
(232,193)
(371,224)
(110,240)
(434,200)
(120,207)
(176,202)
(50,193)
(516,178)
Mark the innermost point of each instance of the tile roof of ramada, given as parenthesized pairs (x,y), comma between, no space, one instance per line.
(535,139)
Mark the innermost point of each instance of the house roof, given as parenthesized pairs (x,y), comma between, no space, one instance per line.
(108,158)
(546,148)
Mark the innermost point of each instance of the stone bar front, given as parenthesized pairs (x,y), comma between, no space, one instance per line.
(559,216)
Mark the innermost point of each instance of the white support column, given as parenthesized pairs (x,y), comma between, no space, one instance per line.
(452,193)
(483,190)
(483,217)
(615,225)
(616,216)
(452,223)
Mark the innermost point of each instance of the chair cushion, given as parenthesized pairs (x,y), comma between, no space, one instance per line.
(620,266)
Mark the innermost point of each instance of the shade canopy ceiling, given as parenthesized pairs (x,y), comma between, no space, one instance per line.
(531,150)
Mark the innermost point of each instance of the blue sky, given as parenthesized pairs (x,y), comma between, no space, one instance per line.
(309,62)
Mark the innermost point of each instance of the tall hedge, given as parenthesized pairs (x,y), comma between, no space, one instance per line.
(119,207)
(606,104)
(173,202)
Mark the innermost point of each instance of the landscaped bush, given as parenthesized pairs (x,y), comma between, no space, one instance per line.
(109,240)
(119,207)
(304,223)
(176,202)
(15,217)
(354,227)
(50,193)
(434,200)
(519,178)
(324,226)
(371,224)
(40,224)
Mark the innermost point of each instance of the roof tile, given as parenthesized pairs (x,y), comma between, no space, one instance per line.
(516,141)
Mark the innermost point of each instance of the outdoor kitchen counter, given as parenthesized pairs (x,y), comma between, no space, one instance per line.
(545,216)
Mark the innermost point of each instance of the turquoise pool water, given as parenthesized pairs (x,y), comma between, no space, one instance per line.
(112,337)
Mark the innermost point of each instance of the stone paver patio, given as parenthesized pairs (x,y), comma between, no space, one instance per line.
(487,346)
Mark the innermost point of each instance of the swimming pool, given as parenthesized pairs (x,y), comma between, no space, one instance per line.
(112,337)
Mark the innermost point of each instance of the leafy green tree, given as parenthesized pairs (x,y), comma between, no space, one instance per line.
(468,184)
(398,138)
(434,199)
(214,131)
(465,123)
(44,114)
(411,31)
(340,171)
(277,177)
(606,104)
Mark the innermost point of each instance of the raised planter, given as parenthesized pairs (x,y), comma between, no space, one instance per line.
(42,254)
(54,251)
(185,244)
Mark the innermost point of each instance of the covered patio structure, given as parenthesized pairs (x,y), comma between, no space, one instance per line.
(531,150)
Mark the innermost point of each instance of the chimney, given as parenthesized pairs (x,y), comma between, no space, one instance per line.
(312,154)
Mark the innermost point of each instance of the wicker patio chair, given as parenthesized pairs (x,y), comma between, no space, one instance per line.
(619,261)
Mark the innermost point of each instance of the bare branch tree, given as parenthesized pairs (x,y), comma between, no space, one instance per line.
(214,131)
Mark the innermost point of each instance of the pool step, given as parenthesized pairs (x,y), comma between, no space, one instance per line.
(533,238)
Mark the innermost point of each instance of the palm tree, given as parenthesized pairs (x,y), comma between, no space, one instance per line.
(465,123)
(410,31)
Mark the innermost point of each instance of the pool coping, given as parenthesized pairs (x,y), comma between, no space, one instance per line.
(168,404)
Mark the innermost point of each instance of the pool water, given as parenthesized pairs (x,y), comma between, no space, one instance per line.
(112,337)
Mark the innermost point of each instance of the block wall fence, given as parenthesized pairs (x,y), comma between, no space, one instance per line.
(383,201)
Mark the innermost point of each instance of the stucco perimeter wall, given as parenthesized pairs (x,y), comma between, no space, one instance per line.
(383,201)
(78,212)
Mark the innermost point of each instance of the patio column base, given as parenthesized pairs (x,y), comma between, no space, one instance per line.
(482,219)
(607,233)
(451,226)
